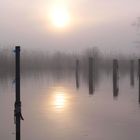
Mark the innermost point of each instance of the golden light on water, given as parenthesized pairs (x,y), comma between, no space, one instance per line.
(58,99)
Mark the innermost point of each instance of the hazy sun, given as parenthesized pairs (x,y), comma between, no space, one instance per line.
(59,16)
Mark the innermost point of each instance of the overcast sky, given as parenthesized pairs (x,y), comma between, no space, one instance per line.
(106,24)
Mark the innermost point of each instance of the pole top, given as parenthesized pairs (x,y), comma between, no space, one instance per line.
(17,48)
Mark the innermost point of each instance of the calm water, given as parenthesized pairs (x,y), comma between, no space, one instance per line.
(54,109)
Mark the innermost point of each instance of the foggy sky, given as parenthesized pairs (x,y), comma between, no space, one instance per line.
(106,24)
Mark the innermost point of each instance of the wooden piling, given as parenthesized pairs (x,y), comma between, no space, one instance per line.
(94,74)
(139,77)
(132,73)
(77,74)
(17,111)
(115,78)
(90,75)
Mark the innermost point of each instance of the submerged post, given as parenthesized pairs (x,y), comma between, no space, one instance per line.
(115,78)
(132,73)
(77,73)
(17,111)
(139,77)
(90,75)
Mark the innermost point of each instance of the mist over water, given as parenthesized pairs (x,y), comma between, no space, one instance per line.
(80,69)
(58,103)
(42,61)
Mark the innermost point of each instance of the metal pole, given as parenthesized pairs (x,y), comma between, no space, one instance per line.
(17,111)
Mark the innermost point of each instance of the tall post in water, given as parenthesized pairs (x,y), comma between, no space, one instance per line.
(115,78)
(132,73)
(94,74)
(139,77)
(90,75)
(17,111)
(77,73)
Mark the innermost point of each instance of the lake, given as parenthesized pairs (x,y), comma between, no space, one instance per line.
(55,109)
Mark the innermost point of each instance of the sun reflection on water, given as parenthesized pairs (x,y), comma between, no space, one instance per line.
(58,98)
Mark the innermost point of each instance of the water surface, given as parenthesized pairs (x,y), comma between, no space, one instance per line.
(55,109)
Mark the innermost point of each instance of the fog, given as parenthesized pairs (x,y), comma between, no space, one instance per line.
(105,24)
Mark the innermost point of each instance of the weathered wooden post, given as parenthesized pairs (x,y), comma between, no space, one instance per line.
(77,74)
(139,77)
(17,111)
(115,78)
(132,73)
(94,74)
(90,75)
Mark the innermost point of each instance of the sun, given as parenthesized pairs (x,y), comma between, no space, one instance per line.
(59,16)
